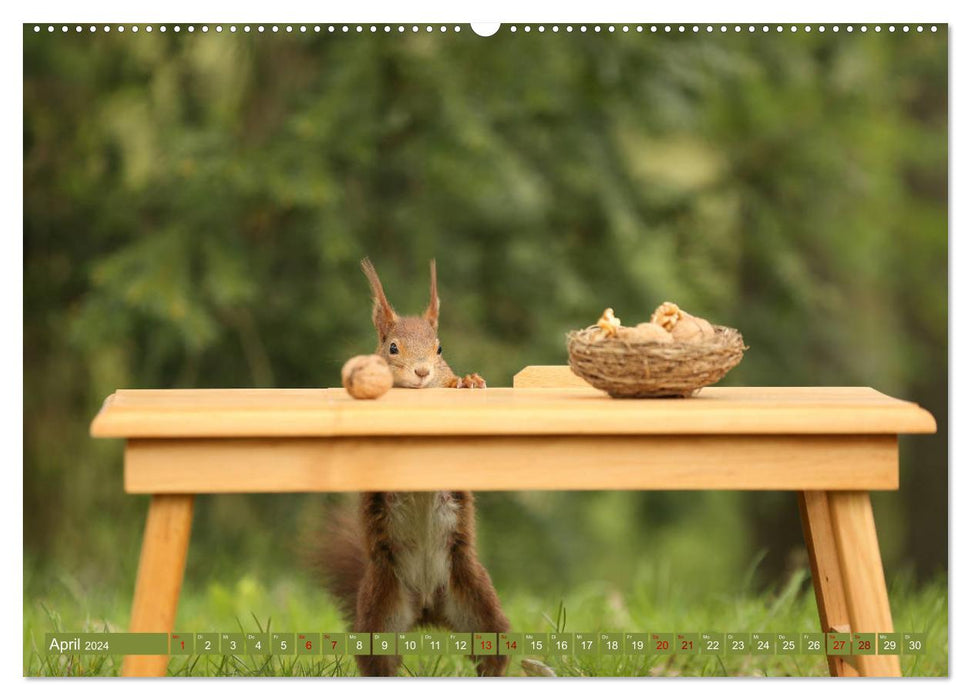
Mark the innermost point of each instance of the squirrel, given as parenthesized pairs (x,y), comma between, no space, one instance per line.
(409,559)
(410,344)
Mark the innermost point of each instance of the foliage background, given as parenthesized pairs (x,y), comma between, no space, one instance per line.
(196,207)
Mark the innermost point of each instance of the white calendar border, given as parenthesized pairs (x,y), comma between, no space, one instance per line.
(603,11)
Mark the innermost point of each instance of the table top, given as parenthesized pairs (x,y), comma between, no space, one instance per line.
(215,413)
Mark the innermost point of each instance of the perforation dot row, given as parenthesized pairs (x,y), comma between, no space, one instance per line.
(344,28)
(289,28)
(725,28)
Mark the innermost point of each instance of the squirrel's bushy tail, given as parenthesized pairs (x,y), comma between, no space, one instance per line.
(339,558)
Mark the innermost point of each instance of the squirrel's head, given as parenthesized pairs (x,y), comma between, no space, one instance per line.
(409,344)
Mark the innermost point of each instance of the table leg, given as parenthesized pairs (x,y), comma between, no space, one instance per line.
(160,570)
(817,529)
(863,580)
(847,574)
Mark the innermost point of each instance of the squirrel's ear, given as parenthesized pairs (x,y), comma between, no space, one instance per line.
(431,313)
(383,315)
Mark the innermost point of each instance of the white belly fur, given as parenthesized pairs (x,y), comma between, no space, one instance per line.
(421,525)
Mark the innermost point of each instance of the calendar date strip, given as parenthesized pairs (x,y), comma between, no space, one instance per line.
(487,643)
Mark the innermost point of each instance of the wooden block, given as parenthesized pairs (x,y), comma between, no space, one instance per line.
(781,462)
(548,377)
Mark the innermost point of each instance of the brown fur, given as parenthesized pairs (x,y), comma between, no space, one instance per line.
(409,559)
(340,559)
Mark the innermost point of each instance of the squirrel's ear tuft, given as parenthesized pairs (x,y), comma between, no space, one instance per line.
(383,315)
(431,313)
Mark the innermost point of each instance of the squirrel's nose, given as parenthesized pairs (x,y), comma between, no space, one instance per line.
(421,372)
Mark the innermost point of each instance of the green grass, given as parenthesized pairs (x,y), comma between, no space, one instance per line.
(655,603)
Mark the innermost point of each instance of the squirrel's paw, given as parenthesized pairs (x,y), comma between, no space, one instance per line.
(471,381)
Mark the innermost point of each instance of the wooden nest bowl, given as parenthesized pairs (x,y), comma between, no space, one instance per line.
(629,368)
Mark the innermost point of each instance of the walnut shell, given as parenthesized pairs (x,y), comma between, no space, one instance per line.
(646,333)
(609,324)
(691,329)
(366,376)
(667,315)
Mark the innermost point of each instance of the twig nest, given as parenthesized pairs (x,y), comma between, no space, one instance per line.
(645,333)
(667,315)
(366,376)
(691,329)
(675,354)
(608,324)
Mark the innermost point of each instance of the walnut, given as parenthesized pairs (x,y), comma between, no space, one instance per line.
(647,333)
(706,327)
(366,376)
(667,315)
(691,329)
(609,324)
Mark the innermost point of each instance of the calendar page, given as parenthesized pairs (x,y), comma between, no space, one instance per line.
(301,303)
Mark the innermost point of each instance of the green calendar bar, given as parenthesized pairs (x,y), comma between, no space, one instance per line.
(712,643)
(763,644)
(864,644)
(488,643)
(813,643)
(309,644)
(914,643)
(138,643)
(409,643)
(888,643)
(585,643)
(181,644)
(434,643)
(104,643)
(662,643)
(359,643)
(459,643)
(839,643)
(536,642)
(207,642)
(282,643)
(611,643)
(787,644)
(687,643)
(257,643)
(383,643)
(485,643)
(738,643)
(511,643)
(232,643)
(637,643)
(561,642)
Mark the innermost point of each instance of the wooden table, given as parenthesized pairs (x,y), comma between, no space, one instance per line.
(832,445)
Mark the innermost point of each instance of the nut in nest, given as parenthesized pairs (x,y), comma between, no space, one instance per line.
(667,315)
(608,324)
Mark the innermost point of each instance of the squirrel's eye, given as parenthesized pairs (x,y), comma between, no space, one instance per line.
(393,349)
(439,349)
